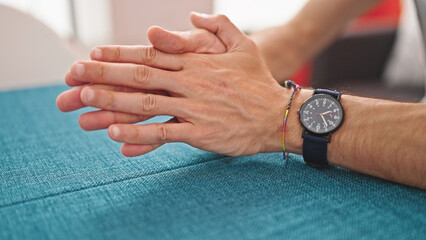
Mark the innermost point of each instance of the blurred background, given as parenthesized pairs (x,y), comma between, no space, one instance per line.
(380,54)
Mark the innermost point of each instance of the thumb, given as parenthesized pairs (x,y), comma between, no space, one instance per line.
(220,25)
(197,41)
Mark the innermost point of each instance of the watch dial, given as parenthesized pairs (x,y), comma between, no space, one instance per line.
(321,114)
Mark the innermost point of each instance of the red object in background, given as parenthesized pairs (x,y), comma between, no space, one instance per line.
(385,14)
(303,75)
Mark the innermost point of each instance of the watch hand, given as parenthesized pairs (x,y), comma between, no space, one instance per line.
(325,112)
(322,114)
(326,125)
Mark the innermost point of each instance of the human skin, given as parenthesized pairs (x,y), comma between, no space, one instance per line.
(284,48)
(198,41)
(287,47)
(230,103)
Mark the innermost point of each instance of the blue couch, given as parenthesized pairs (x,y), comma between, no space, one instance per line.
(59,182)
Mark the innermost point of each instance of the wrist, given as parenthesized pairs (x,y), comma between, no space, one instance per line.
(293,140)
(293,135)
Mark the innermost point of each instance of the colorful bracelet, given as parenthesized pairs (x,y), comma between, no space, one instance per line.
(288,84)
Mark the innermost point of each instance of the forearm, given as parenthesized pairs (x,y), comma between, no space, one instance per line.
(285,48)
(230,104)
(378,137)
(382,138)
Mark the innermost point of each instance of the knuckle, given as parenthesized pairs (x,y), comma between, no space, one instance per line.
(135,135)
(116,54)
(103,99)
(100,71)
(222,18)
(163,132)
(148,55)
(107,99)
(141,74)
(148,103)
(251,44)
(114,117)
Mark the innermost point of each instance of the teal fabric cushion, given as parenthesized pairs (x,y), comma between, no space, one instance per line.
(59,182)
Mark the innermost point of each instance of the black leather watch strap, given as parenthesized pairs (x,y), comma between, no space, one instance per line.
(315,151)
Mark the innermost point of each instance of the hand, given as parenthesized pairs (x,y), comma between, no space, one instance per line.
(226,103)
(197,40)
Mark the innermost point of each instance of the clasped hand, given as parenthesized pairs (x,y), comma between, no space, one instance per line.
(212,80)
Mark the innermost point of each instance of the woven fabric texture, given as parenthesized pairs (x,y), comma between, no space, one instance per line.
(59,182)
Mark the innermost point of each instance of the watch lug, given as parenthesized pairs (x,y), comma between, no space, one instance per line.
(338,95)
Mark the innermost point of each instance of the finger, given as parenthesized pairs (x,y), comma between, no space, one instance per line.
(146,55)
(130,75)
(103,119)
(134,150)
(220,25)
(70,81)
(136,103)
(196,41)
(155,133)
(70,100)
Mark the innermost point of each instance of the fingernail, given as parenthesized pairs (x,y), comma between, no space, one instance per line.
(200,14)
(97,53)
(114,131)
(89,94)
(79,69)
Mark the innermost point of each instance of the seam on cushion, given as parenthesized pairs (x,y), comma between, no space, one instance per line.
(104,184)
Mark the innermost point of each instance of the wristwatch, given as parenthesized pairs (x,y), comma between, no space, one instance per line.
(320,115)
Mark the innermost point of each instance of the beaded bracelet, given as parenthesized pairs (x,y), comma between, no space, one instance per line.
(288,84)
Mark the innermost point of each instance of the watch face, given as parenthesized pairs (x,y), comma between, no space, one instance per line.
(321,114)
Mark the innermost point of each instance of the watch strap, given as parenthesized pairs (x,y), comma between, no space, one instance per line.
(332,93)
(315,150)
